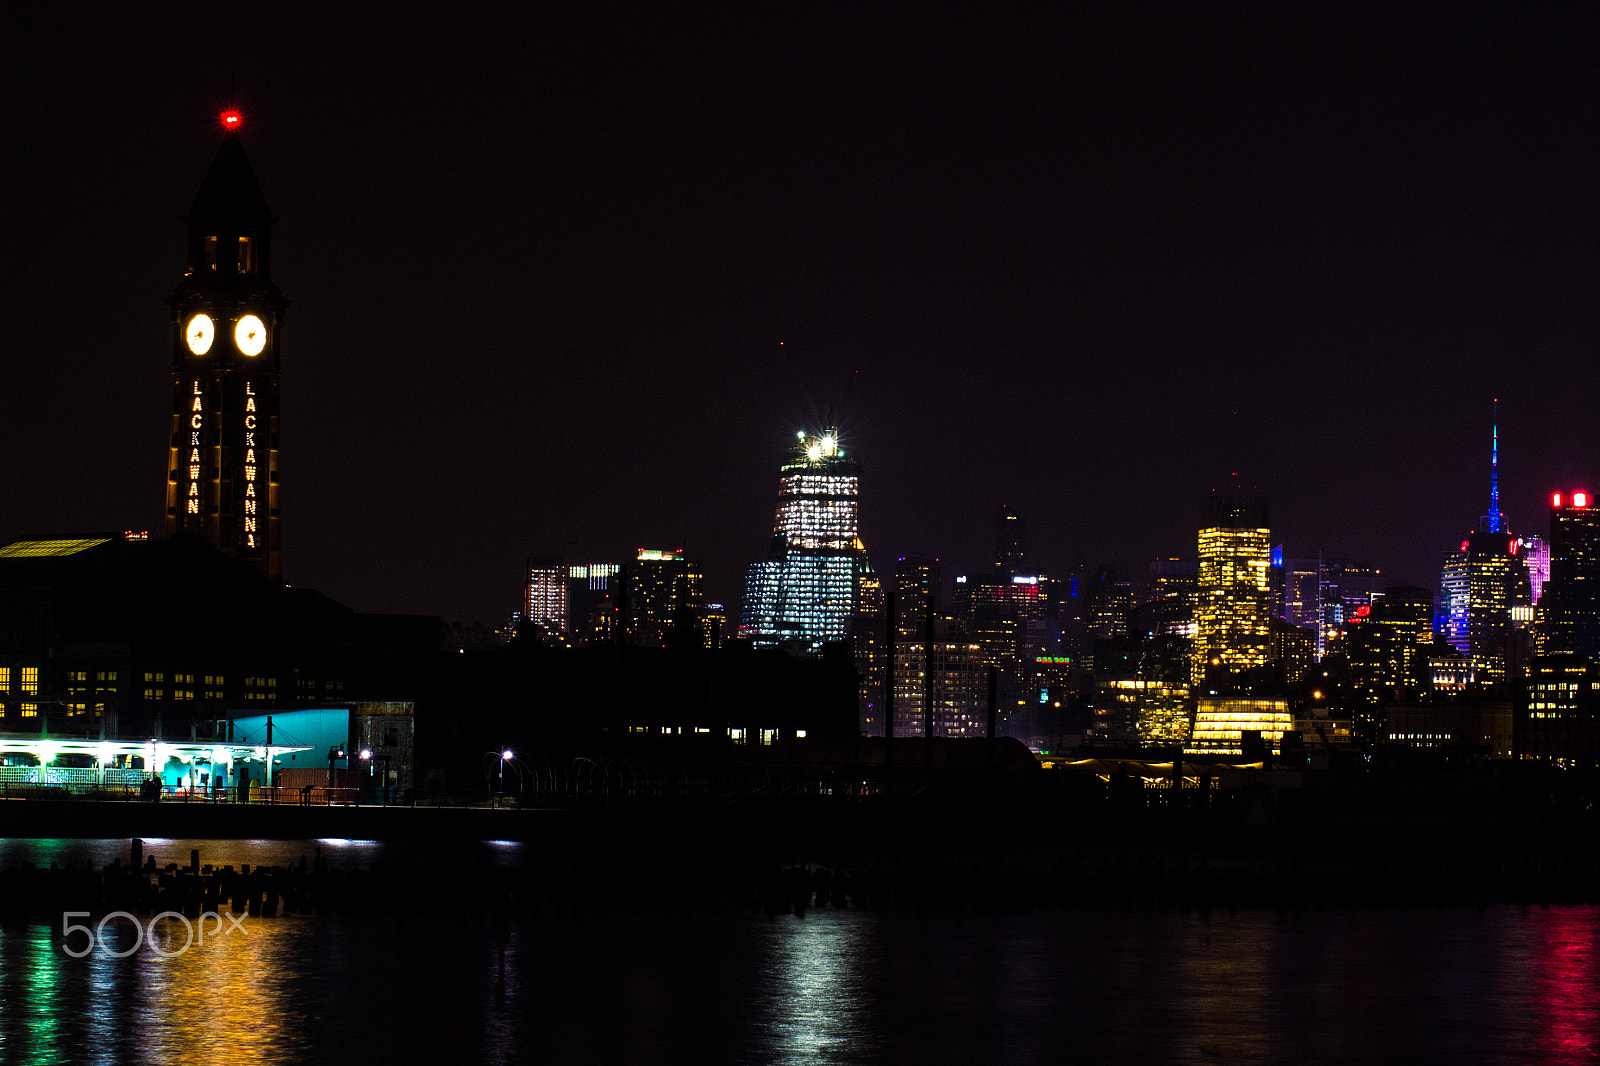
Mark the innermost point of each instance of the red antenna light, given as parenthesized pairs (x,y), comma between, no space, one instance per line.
(231,119)
(1580,499)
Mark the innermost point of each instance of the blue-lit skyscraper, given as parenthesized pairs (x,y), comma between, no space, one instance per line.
(1481,582)
(805,592)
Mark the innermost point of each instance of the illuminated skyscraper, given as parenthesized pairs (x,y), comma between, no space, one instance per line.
(666,596)
(544,596)
(1302,595)
(1110,599)
(1570,608)
(867,635)
(594,603)
(1479,585)
(1233,608)
(222,468)
(806,591)
(938,674)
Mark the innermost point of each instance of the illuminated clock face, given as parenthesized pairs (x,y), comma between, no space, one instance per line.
(250,335)
(199,333)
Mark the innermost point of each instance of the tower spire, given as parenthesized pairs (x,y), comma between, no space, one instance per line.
(1494,520)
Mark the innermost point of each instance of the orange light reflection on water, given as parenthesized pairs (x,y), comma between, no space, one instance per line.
(228,997)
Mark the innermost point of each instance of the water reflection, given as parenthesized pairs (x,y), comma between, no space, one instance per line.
(817,1003)
(851,987)
(1569,1005)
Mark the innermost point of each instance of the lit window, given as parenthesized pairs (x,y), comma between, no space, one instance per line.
(28,679)
(247,255)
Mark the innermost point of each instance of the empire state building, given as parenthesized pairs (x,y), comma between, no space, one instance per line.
(222,468)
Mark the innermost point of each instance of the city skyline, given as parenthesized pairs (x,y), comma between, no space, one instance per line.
(1085,266)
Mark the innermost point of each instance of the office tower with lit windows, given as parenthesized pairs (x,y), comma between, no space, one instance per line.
(1301,604)
(666,598)
(594,603)
(1570,607)
(544,597)
(1536,557)
(938,669)
(868,638)
(1166,606)
(1559,714)
(1345,586)
(806,591)
(916,603)
(1480,583)
(222,468)
(1110,600)
(1232,589)
(1387,645)
(1004,618)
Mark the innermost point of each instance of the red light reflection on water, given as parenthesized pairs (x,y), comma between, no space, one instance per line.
(1569,984)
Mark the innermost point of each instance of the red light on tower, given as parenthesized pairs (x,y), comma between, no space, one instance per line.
(1513,548)
(1465,545)
(1580,499)
(1555,499)
(1363,611)
(231,119)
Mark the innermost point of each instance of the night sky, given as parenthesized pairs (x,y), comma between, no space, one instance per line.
(568,280)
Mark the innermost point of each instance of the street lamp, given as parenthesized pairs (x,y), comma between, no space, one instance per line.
(505,754)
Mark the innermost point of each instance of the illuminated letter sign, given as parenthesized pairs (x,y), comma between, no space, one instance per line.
(252,498)
(196,420)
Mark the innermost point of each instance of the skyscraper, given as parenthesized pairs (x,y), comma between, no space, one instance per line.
(1570,607)
(544,596)
(938,673)
(666,597)
(1232,589)
(594,603)
(222,469)
(806,590)
(1481,582)
(1010,542)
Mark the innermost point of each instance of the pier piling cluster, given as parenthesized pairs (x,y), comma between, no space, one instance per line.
(1111,879)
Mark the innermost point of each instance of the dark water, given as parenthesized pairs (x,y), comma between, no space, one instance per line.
(1416,986)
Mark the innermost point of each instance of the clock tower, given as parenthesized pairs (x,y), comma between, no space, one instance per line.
(222,469)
